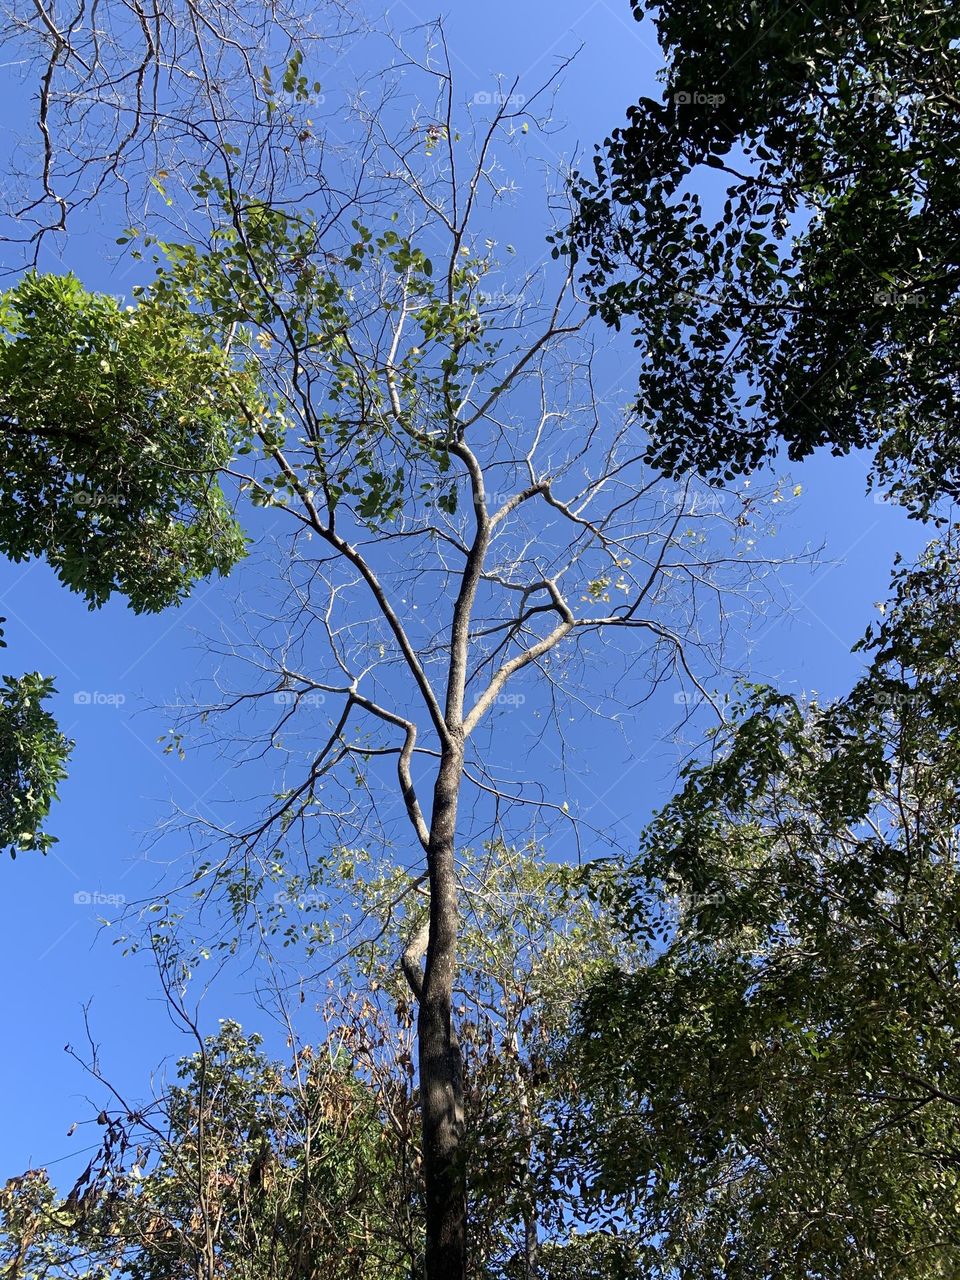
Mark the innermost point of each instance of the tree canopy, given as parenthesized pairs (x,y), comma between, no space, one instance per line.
(312,1166)
(116,423)
(33,755)
(246,1165)
(780,230)
(115,426)
(777,1090)
(731,1056)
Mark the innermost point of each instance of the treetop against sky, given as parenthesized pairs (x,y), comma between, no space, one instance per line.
(117,674)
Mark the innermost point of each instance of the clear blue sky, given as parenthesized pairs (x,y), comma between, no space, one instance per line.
(53,958)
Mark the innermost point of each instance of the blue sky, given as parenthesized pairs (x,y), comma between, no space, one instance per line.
(116,672)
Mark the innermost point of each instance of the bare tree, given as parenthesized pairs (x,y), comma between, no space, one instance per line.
(471,525)
(125,92)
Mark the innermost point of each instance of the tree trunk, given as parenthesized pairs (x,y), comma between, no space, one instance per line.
(441,1073)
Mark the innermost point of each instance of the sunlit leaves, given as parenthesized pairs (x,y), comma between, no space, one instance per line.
(364,354)
(33,755)
(115,423)
(258,1163)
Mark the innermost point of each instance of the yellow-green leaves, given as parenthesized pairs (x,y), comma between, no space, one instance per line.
(115,424)
(33,753)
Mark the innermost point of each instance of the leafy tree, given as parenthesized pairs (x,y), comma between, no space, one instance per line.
(257,1169)
(33,753)
(531,942)
(468,509)
(248,1167)
(114,427)
(777,1090)
(780,231)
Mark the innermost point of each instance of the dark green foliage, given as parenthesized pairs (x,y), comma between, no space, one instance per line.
(782,232)
(33,753)
(778,1091)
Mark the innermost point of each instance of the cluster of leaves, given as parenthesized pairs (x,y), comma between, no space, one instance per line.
(531,944)
(781,231)
(778,1089)
(115,426)
(33,756)
(247,1167)
(366,355)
